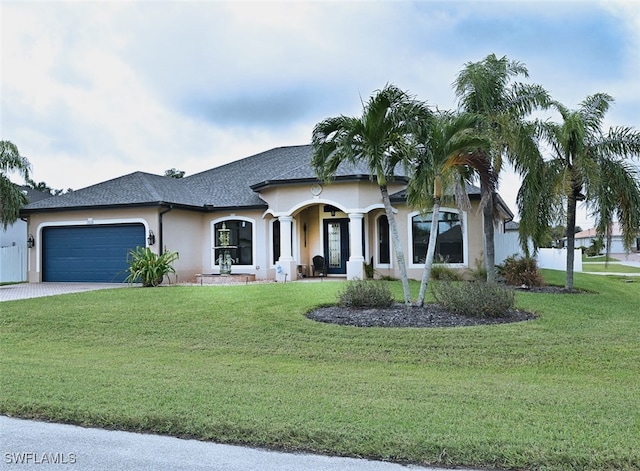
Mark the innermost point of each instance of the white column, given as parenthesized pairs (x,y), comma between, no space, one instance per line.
(355,267)
(286,237)
(286,268)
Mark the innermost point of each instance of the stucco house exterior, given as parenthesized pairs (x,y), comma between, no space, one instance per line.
(278,214)
(584,239)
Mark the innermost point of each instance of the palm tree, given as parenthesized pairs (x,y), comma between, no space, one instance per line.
(382,138)
(450,157)
(11,198)
(486,88)
(587,164)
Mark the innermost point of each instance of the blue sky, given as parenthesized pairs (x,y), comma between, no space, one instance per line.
(94,90)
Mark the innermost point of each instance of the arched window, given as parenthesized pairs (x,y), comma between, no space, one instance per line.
(240,240)
(449,243)
(384,251)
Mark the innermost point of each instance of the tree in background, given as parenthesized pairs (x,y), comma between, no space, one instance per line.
(44,188)
(11,197)
(585,165)
(174,173)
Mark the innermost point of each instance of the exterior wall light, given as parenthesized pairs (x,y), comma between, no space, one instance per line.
(152,238)
(31,242)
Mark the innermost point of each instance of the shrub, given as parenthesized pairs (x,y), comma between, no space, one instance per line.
(443,273)
(368,269)
(473,298)
(522,271)
(596,247)
(479,272)
(148,267)
(366,293)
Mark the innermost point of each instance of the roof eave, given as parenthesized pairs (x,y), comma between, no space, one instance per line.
(338,179)
(154,204)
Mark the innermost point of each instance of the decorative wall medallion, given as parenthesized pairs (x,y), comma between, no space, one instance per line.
(316,189)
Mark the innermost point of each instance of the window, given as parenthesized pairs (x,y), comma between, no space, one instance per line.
(449,244)
(384,252)
(240,241)
(275,241)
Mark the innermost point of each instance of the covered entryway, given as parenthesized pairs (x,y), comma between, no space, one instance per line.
(91,253)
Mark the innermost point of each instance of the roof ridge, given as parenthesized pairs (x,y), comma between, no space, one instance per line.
(149,186)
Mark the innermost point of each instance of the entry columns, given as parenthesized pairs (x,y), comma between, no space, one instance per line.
(355,267)
(286,268)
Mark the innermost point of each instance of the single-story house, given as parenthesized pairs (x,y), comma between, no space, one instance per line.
(586,238)
(277,214)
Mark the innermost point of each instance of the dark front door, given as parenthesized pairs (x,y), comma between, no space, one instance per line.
(336,245)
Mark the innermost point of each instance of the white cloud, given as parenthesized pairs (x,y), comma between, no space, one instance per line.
(94,90)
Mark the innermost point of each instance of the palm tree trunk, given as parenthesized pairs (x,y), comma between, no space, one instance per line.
(431,250)
(489,240)
(396,244)
(571,239)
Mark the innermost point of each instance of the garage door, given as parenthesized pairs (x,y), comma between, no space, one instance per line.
(89,253)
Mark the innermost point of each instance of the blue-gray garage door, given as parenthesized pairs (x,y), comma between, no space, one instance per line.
(89,253)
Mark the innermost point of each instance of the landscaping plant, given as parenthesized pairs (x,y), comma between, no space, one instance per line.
(149,268)
(365,293)
(473,298)
(522,271)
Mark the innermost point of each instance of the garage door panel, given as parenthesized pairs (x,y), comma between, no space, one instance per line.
(89,253)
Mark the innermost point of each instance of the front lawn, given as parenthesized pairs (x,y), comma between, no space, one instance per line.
(241,364)
(608,268)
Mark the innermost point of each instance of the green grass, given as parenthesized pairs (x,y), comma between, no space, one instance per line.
(241,364)
(599,258)
(609,268)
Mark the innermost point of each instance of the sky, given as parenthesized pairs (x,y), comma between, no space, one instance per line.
(93,90)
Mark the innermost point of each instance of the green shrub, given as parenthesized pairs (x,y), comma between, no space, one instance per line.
(366,293)
(368,269)
(522,271)
(473,298)
(148,267)
(444,273)
(596,247)
(479,272)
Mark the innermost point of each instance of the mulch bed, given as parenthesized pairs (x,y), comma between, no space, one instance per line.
(430,315)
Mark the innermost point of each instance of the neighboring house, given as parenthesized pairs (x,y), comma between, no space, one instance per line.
(13,244)
(586,238)
(279,216)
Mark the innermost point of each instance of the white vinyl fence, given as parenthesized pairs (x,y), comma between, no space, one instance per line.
(556,259)
(508,244)
(13,264)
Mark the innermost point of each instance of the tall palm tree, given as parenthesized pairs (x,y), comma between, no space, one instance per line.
(11,198)
(587,164)
(451,155)
(486,88)
(382,138)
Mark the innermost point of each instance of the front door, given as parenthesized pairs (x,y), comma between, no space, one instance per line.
(336,245)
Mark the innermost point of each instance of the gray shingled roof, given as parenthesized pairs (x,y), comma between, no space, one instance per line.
(34,195)
(230,185)
(137,188)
